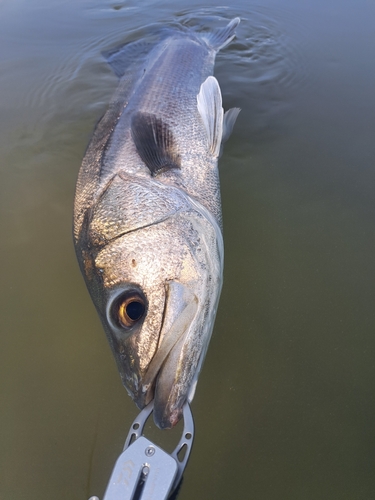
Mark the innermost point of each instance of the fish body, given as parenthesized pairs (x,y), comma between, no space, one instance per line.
(147,215)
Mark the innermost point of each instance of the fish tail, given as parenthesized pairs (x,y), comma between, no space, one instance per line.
(219,38)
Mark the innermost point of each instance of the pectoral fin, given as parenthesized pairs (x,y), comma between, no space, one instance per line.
(154,141)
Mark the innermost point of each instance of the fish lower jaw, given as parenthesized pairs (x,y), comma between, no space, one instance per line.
(168,420)
(167,412)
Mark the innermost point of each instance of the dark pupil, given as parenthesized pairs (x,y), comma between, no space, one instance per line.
(135,310)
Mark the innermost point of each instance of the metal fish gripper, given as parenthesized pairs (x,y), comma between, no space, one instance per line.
(146,471)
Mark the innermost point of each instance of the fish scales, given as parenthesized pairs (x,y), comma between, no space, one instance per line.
(169,89)
(147,217)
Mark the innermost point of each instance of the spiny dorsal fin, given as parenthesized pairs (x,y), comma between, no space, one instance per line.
(219,38)
(154,142)
(230,118)
(210,108)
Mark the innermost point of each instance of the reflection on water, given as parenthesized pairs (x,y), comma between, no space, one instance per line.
(284,406)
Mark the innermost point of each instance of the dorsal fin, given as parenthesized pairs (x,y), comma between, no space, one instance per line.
(219,38)
(154,141)
(210,108)
(120,58)
(123,57)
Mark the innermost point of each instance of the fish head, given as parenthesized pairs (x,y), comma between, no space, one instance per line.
(156,290)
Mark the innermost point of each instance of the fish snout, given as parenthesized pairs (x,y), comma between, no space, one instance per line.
(169,374)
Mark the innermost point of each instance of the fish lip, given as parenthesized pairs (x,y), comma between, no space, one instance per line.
(145,393)
(167,411)
(165,420)
(148,384)
(167,365)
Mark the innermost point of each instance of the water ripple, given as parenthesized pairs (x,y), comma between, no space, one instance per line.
(264,62)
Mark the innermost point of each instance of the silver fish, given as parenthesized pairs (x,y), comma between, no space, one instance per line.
(147,214)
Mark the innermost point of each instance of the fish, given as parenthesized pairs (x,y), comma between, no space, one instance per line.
(147,213)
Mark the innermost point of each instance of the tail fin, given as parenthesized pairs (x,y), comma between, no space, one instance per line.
(222,36)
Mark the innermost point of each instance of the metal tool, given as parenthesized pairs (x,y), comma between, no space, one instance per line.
(144,470)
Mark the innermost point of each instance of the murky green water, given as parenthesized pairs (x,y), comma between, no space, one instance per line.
(285,404)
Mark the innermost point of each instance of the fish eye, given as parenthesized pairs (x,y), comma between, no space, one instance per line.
(128,309)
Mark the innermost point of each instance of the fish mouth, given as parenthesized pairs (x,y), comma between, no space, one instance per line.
(168,377)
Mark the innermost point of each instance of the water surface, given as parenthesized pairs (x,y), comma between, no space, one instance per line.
(284,407)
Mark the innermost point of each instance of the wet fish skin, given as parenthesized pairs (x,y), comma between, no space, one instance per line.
(147,216)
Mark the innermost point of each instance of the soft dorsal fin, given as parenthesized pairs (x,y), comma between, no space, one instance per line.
(230,118)
(120,58)
(210,108)
(154,141)
(219,38)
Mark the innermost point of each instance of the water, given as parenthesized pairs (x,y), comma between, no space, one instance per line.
(285,406)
